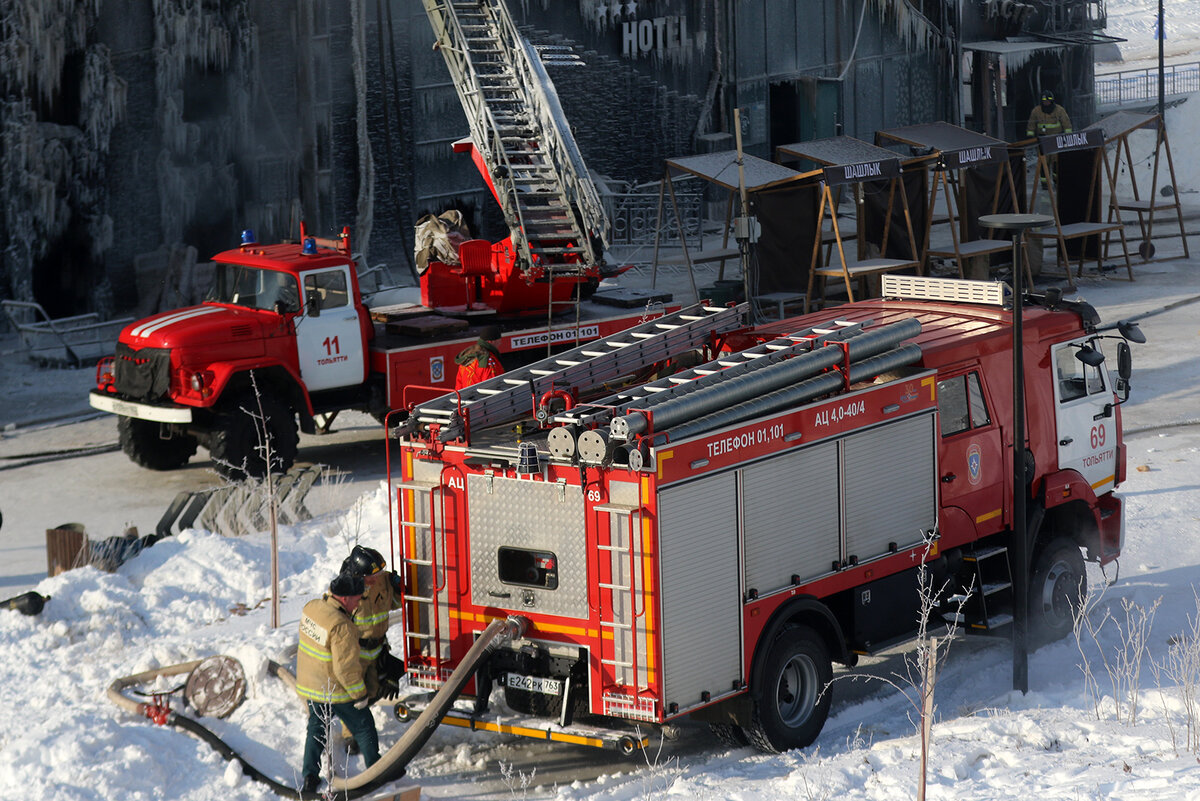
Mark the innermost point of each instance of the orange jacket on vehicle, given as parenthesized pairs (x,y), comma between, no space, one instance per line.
(476,363)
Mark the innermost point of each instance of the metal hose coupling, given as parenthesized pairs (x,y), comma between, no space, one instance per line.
(514,629)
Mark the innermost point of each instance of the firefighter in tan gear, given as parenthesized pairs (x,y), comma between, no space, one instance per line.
(1048,118)
(381,671)
(329,675)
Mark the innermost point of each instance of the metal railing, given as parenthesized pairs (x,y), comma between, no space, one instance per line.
(1141,86)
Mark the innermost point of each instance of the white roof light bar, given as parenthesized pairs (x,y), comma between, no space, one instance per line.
(957,290)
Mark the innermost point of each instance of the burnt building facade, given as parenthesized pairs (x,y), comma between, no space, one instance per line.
(128,126)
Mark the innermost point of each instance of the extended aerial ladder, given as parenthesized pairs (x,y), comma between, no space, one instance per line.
(553,211)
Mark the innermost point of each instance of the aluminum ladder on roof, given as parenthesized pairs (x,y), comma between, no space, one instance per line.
(552,208)
(581,369)
(592,414)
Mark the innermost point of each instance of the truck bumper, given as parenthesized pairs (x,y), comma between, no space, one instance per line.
(1110,514)
(142,411)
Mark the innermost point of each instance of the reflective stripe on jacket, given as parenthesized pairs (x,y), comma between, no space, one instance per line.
(371,616)
(1042,123)
(328,669)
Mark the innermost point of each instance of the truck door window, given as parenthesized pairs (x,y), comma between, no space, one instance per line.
(329,286)
(961,405)
(1075,379)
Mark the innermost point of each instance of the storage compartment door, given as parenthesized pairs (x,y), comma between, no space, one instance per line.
(891,486)
(792,522)
(701,596)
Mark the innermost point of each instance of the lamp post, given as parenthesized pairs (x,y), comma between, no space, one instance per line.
(1019,224)
(1162,78)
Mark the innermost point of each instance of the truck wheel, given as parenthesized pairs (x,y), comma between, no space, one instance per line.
(236,442)
(792,703)
(142,443)
(1057,587)
(730,734)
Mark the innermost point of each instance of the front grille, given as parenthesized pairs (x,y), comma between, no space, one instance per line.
(144,374)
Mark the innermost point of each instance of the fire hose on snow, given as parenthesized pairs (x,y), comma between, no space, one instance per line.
(391,763)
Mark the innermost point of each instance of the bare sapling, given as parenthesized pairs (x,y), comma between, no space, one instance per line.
(518,782)
(1179,670)
(917,681)
(264,445)
(660,774)
(1122,653)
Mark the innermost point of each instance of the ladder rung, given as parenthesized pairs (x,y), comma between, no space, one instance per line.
(419,486)
(616,663)
(418,635)
(615,625)
(414,524)
(607,586)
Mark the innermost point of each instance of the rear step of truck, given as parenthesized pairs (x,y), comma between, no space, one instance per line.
(627,741)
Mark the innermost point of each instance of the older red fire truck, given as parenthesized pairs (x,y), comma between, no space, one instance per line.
(710,542)
(284,335)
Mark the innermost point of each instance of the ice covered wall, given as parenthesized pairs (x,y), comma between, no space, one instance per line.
(195,167)
(61,102)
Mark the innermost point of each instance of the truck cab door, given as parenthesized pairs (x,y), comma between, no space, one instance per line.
(1084,416)
(329,339)
(971,463)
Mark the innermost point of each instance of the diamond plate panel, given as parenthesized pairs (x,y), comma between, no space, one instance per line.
(519,513)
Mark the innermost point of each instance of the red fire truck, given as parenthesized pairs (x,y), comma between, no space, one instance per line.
(284,335)
(709,542)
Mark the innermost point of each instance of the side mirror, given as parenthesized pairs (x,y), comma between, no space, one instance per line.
(1131,332)
(1090,356)
(312,299)
(1124,361)
(1124,370)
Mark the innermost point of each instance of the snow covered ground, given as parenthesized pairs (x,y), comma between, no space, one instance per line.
(200,593)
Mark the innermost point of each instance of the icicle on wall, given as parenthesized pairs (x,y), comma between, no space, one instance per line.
(365,206)
(53,174)
(195,164)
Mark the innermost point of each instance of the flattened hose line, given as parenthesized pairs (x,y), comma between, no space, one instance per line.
(390,765)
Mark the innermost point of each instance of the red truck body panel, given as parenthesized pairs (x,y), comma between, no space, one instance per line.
(611,563)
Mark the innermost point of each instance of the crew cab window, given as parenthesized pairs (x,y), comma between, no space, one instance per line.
(253,288)
(961,406)
(1075,379)
(329,287)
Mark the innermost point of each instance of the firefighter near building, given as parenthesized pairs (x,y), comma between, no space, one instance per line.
(710,543)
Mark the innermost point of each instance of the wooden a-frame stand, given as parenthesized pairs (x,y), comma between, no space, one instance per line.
(1126,123)
(1048,148)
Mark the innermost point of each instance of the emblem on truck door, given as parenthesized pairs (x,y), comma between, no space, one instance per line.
(974,463)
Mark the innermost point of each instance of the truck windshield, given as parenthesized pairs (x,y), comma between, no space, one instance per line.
(254,288)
